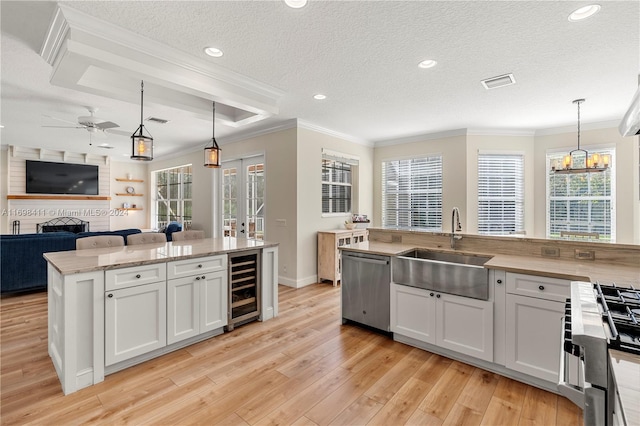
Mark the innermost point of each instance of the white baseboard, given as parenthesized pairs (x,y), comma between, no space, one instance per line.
(289,282)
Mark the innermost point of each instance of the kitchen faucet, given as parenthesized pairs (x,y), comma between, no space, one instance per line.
(455,226)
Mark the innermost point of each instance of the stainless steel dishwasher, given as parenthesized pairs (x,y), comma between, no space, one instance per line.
(365,289)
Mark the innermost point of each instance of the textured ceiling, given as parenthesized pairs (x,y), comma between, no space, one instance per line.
(362,54)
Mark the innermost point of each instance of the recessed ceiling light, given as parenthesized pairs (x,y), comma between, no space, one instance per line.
(584,12)
(319,96)
(213,51)
(296,4)
(429,63)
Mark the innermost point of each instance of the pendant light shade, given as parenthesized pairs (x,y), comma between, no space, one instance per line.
(579,160)
(141,145)
(212,153)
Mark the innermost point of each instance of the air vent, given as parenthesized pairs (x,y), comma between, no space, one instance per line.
(105,146)
(157,120)
(499,81)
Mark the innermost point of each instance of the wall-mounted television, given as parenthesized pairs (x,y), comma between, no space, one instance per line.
(45,177)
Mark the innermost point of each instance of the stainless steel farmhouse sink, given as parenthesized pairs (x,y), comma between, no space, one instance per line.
(453,273)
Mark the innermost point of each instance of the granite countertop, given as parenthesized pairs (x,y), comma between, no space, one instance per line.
(99,259)
(565,269)
(626,371)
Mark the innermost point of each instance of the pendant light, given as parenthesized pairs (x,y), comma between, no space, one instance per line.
(212,153)
(141,145)
(590,164)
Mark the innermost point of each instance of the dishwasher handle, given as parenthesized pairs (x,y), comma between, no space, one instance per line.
(368,260)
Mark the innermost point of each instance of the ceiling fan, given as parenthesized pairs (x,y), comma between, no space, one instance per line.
(94,125)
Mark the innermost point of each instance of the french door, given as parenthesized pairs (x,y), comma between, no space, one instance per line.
(243,198)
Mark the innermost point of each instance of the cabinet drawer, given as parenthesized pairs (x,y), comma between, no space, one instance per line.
(135,275)
(540,287)
(197,266)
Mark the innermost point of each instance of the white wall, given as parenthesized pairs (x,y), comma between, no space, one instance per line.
(626,158)
(309,195)
(454,173)
(4,190)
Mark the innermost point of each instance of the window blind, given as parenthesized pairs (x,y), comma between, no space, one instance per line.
(500,194)
(412,193)
(336,185)
(581,206)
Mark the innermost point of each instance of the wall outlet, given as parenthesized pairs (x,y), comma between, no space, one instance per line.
(585,254)
(284,268)
(396,238)
(281,222)
(550,252)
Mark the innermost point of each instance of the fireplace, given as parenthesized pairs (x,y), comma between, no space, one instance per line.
(70,224)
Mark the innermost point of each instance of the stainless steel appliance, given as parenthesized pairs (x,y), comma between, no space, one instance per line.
(597,318)
(365,289)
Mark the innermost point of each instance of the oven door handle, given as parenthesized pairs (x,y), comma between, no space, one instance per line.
(569,391)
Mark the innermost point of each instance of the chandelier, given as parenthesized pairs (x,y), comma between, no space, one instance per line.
(579,160)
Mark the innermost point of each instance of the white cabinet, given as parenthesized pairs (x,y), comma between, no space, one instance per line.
(413,313)
(534,308)
(197,301)
(465,325)
(135,321)
(457,323)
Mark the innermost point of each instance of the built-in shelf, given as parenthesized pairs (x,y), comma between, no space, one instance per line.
(129,180)
(56,197)
(129,208)
(123,194)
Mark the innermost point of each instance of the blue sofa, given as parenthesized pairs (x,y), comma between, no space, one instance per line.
(22,267)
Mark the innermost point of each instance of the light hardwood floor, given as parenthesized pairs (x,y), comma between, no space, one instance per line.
(302,368)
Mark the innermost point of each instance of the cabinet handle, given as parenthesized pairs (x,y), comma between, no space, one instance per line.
(540,287)
(110,296)
(199,266)
(138,276)
(203,277)
(438,296)
(431,294)
(499,281)
(198,278)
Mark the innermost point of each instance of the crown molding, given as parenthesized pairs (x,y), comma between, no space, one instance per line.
(500,132)
(315,128)
(599,125)
(421,137)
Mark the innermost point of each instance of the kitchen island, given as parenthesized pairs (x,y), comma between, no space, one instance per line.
(111,308)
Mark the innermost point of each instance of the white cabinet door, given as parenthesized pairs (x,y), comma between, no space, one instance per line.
(135,321)
(213,301)
(465,325)
(413,313)
(183,309)
(195,305)
(533,336)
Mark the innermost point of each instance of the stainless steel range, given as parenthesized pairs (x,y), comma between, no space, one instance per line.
(597,318)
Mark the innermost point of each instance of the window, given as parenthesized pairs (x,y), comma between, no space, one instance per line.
(173,196)
(581,206)
(412,193)
(337,178)
(500,194)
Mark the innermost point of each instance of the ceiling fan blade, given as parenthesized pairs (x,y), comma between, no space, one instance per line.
(106,125)
(61,119)
(66,127)
(118,132)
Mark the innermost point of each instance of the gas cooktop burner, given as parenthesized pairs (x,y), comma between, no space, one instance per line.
(620,308)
